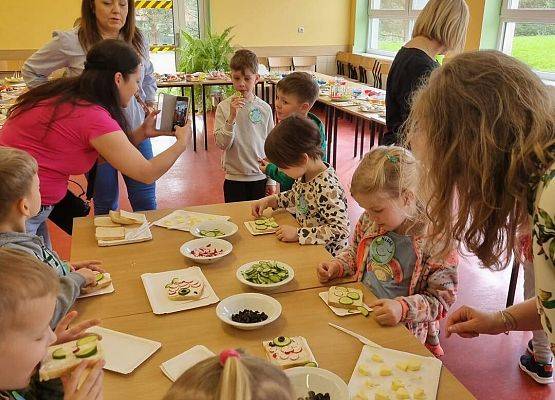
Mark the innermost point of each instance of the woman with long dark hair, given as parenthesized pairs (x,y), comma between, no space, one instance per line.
(67,123)
(103,19)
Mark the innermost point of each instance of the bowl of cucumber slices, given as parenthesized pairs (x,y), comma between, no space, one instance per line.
(216,229)
(265,275)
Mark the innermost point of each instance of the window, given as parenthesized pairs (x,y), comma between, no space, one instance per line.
(391,23)
(528,33)
(161,21)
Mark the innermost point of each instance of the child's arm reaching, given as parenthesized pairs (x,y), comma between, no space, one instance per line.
(345,263)
(223,128)
(438,294)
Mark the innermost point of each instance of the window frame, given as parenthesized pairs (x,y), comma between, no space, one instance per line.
(408,15)
(525,15)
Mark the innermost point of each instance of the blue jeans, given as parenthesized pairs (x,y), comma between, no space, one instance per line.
(142,196)
(37,225)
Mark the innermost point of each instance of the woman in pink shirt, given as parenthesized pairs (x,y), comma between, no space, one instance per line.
(65,124)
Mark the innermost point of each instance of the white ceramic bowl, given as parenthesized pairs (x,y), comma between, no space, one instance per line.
(219,244)
(268,286)
(248,301)
(226,227)
(304,379)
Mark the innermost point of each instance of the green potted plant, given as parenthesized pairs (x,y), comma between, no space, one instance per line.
(211,53)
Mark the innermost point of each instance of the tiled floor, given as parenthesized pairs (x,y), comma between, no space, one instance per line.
(486,365)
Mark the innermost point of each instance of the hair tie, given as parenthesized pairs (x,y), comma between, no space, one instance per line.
(224,355)
(392,159)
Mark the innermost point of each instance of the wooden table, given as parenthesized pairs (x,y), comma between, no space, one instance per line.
(127,310)
(303,314)
(127,263)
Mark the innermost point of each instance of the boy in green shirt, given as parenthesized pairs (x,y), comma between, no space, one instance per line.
(295,94)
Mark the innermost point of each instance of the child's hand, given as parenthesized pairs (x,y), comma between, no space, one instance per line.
(387,312)
(328,270)
(263,165)
(88,274)
(236,104)
(258,206)
(271,189)
(93,265)
(66,334)
(287,233)
(91,386)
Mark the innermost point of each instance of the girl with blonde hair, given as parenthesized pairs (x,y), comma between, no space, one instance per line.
(389,251)
(440,28)
(232,376)
(484,130)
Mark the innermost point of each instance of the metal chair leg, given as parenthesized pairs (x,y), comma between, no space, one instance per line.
(513,282)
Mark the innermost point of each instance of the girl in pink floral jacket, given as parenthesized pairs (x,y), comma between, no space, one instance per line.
(389,253)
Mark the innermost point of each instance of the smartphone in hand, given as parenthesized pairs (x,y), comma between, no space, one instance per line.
(174,111)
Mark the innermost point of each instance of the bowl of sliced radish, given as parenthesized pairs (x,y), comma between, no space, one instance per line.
(207,250)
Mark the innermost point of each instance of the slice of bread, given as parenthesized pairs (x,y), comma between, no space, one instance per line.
(287,352)
(105,222)
(103,280)
(126,218)
(103,233)
(61,359)
(345,297)
(182,289)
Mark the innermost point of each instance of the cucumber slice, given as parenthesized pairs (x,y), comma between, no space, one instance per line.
(183,291)
(99,277)
(311,364)
(59,354)
(87,339)
(260,222)
(353,295)
(272,225)
(282,341)
(363,310)
(261,227)
(87,351)
(346,301)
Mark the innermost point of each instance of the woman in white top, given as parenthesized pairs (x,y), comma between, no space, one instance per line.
(103,19)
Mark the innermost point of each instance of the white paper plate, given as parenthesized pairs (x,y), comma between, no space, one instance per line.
(145,235)
(108,289)
(341,312)
(427,378)
(124,353)
(185,220)
(156,291)
(176,366)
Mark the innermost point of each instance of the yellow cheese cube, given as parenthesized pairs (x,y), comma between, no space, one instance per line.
(419,394)
(414,365)
(403,366)
(397,384)
(380,395)
(364,369)
(402,394)
(377,358)
(385,371)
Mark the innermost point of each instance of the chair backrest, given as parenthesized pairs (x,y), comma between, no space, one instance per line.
(382,72)
(342,57)
(280,63)
(11,65)
(307,64)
